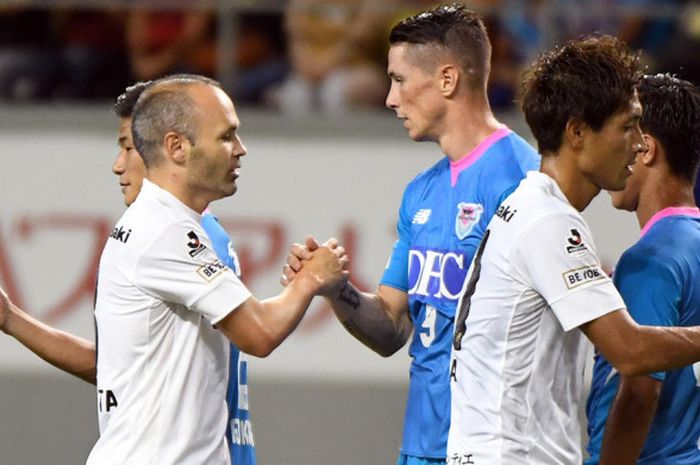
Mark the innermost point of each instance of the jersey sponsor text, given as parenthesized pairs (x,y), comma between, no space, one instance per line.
(120,234)
(436,274)
(211,270)
(505,213)
(577,277)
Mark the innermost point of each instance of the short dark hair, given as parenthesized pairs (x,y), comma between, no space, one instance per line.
(672,116)
(459,30)
(165,106)
(589,78)
(124,106)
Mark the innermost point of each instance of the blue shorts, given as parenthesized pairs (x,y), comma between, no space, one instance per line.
(411,460)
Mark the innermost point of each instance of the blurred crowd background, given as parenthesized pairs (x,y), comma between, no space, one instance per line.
(299,55)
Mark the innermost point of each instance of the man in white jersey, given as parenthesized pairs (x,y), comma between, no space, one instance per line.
(76,355)
(166,305)
(518,358)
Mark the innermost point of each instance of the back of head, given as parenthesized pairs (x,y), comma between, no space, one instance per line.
(166,106)
(124,106)
(458,30)
(589,79)
(672,116)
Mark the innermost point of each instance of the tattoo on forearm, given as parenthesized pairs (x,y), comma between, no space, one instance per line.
(349,296)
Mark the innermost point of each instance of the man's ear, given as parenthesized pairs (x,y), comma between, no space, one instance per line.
(652,153)
(575,133)
(449,80)
(177,147)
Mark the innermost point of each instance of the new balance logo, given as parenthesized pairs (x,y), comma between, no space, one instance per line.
(421,216)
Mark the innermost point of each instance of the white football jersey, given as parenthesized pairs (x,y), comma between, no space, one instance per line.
(162,367)
(516,379)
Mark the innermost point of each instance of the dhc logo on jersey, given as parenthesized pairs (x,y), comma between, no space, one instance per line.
(436,275)
(468,214)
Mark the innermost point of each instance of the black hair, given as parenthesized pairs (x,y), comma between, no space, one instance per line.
(589,78)
(459,30)
(672,116)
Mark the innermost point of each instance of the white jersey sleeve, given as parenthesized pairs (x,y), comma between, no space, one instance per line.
(181,267)
(556,256)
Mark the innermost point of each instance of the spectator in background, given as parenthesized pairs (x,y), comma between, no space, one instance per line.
(93,61)
(333,49)
(680,56)
(635,22)
(166,42)
(27,55)
(261,61)
(61,53)
(505,64)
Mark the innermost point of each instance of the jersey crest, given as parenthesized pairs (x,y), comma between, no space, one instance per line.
(468,214)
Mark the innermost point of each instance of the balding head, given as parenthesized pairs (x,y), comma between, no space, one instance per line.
(167,105)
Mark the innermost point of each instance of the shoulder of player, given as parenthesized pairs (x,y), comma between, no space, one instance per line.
(151,228)
(534,202)
(521,153)
(428,174)
(652,252)
(503,166)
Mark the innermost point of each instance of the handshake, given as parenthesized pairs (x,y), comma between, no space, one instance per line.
(322,264)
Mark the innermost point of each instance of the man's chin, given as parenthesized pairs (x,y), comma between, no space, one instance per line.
(419,137)
(231,190)
(617,199)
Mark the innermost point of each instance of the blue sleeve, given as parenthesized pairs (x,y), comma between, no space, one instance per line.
(396,271)
(650,289)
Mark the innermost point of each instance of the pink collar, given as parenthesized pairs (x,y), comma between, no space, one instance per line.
(693,212)
(471,158)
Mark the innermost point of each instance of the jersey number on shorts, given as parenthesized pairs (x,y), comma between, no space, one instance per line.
(427,338)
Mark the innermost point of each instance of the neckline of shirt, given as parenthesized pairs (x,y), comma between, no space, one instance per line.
(475,154)
(168,198)
(550,184)
(692,212)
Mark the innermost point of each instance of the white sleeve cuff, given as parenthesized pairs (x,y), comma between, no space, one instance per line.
(587,304)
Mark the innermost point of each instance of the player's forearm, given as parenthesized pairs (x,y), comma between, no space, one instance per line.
(629,420)
(368,319)
(279,316)
(660,349)
(62,350)
(636,350)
